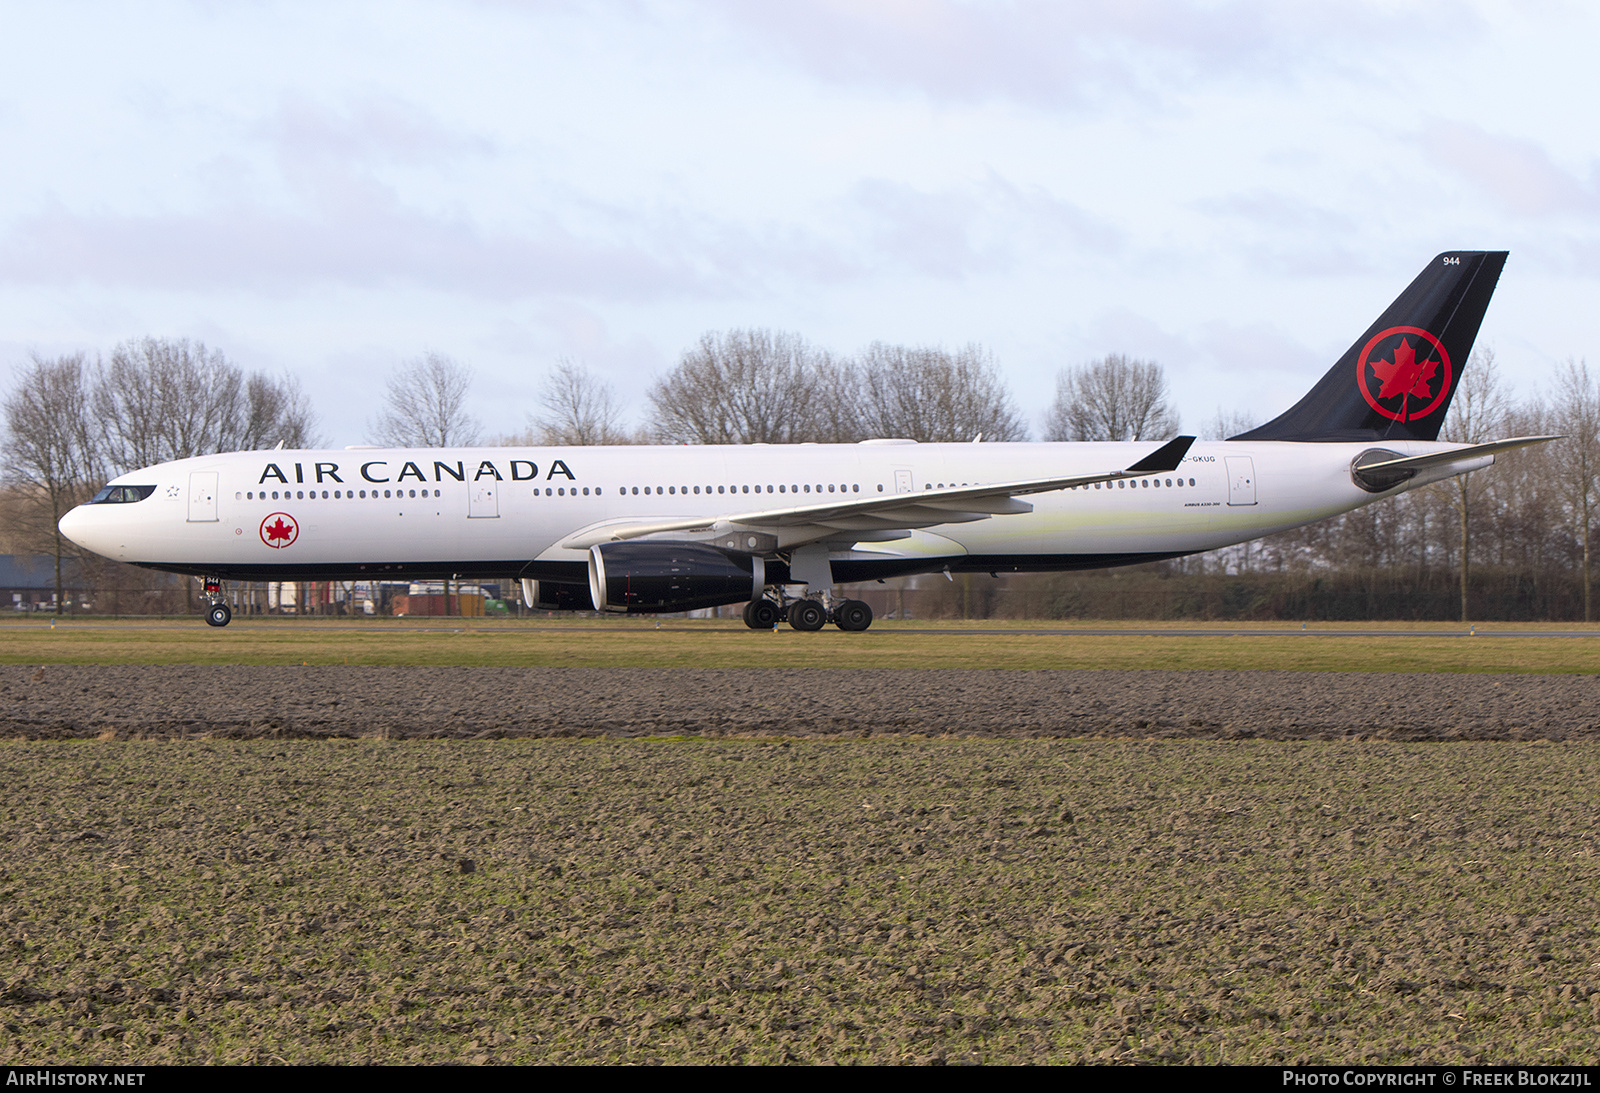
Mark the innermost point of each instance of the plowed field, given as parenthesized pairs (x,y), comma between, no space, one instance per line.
(855,867)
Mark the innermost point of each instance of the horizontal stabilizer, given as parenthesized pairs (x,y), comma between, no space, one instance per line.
(1378,470)
(1456,455)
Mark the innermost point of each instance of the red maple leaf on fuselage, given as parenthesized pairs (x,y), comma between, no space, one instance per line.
(1405,375)
(280,530)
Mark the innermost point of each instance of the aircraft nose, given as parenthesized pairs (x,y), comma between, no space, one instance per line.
(77,526)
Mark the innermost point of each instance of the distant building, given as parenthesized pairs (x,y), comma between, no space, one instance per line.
(28,581)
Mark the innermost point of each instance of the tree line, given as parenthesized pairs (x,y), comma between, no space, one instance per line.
(1511,541)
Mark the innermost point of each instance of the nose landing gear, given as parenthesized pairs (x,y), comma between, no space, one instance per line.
(219,613)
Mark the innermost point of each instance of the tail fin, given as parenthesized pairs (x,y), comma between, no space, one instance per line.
(1395,383)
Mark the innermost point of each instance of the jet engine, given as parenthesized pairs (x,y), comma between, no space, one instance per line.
(648,577)
(556,596)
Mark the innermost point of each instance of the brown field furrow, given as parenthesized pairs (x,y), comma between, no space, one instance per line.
(252,702)
(882,900)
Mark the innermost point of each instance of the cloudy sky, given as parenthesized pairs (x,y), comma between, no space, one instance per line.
(1234,189)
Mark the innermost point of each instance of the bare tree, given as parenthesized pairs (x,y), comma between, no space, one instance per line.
(578,409)
(52,451)
(424,406)
(838,401)
(1226,423)
(933,395)
(1477,413)
(1115,398)
(741,387)
(1578,414)
(275,412)
(161,399)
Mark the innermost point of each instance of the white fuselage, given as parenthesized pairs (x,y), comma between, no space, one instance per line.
(372,513)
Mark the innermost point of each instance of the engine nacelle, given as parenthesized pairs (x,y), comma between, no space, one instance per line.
(649,577)
(556,596)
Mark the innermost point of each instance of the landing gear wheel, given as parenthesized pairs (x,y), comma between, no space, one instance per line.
(762,614)
(854,615)
(807,615)
(220,614)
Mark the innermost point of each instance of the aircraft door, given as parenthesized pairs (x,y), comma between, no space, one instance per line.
(1241,480)
(902,480)
(484,500)
(203,497)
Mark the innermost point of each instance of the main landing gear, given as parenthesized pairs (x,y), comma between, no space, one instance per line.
(807,614)
(219,613)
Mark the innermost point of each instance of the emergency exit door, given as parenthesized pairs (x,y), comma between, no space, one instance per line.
(484,500)
(203,497)
(1241,480)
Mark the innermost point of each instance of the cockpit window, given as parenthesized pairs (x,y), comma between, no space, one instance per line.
(121,495)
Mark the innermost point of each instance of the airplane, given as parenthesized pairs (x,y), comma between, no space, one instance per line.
(641,529)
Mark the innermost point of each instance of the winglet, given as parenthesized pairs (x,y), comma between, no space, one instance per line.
(1165,458)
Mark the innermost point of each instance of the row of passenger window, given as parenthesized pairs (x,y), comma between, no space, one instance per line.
(686,490)
(1147,483)
(337,495)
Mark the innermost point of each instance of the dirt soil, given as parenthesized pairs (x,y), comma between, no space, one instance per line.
(76,701)
(176,886)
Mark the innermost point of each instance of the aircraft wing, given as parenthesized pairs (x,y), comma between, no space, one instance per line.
(885,516)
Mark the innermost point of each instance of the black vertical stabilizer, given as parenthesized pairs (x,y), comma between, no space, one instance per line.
(1396,381)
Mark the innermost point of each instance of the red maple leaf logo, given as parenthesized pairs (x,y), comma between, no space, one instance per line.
(278,530)
(1405,375)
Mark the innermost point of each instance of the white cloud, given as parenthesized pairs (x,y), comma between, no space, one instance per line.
(1074,53)
(1519,174)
